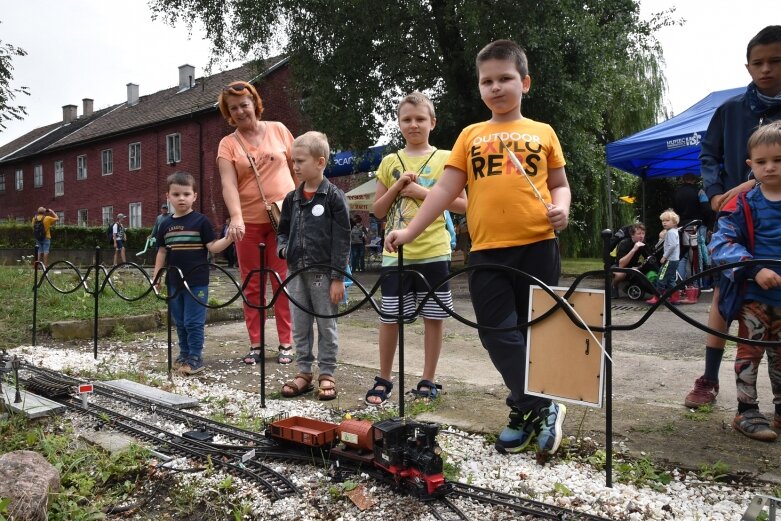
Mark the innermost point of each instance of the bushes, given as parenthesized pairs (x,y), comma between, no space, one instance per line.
(16,235)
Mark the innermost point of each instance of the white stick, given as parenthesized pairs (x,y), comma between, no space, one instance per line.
(519,167)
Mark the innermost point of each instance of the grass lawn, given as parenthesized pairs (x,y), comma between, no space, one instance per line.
(574,267)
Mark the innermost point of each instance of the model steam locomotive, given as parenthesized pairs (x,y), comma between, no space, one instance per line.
(406,450)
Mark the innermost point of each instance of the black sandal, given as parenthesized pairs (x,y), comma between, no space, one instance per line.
(285,355)
(430,393)
(755,425)
(253,357)
(382,394)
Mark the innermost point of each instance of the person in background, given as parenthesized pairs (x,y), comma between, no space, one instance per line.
(268,144)
(691,205)
(358,235)
(509,226)
(189,235)
(724,172)
(46,217)
(670,258)
(230,251)
(314,229)
(757,216)
(118,234)
(404,180)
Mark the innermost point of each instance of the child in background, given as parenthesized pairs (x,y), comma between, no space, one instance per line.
(509,226)
(671,256)
(314,229)
(190,235)
(757,214)
(404,180)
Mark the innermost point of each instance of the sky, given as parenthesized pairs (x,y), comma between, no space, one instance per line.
(93,48)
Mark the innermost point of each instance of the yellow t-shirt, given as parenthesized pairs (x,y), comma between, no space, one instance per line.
(435,239)
(502,209)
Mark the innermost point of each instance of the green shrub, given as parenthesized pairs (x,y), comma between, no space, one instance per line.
(16,235)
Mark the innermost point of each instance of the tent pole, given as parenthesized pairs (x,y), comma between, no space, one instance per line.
(642,185)
(609,198)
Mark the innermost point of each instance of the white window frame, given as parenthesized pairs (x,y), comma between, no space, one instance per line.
(59,178)
(173,148)
(107,161)
(19,180)
(134,156)
(38,176)
(82,217)
(134,215)
(81,167)
(107,213)
(60,218)
(2,183)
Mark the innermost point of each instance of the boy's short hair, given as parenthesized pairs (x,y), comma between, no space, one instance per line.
(417,98)
(670,214)
(315,142)
(505,50)
(238,89)
(636,226)
(769,134)
(181,179)
(768,35)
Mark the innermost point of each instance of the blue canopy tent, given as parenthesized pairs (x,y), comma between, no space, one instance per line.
(671,148)
(349,162)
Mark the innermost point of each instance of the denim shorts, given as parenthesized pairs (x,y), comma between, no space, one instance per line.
(44,245)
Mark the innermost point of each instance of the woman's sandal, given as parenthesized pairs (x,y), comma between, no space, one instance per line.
(426,390)
(753,424)
(253,357)
(285,355)
(382,389)
(327,388)
(297,390)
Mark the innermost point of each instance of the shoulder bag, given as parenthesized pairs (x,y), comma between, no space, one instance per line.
(273,209)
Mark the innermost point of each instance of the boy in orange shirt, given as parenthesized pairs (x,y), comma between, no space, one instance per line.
(510,224)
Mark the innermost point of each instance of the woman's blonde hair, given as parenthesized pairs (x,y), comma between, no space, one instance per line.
(238,89)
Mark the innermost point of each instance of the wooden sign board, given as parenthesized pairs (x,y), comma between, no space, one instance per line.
(563,361)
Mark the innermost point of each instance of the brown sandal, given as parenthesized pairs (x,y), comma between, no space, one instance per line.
(295,389)
(326,392)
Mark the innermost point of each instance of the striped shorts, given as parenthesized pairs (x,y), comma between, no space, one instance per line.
(414,291)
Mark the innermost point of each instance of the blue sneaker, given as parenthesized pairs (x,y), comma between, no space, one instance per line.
(549,429)
(192,366)
(518,433)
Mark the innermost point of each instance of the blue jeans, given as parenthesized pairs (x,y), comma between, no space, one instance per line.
(189,316)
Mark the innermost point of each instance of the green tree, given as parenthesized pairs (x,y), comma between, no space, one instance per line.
(8,111)
(594,66)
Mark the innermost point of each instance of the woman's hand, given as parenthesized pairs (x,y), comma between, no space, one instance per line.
(236,229)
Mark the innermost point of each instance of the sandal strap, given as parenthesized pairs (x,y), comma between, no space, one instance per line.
(432,392)
(326,378)
(380,381)
(754,417)
(303,376)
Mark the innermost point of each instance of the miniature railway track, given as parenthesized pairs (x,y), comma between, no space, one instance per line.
(60,388)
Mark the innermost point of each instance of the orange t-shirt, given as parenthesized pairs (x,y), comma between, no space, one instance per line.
(502,209)
(271,159)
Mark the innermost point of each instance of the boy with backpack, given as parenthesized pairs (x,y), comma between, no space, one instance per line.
(750,232)
(42,224)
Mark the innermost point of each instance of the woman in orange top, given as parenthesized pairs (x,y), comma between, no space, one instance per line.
(269,142)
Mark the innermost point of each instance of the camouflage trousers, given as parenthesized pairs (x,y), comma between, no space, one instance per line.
(758,321)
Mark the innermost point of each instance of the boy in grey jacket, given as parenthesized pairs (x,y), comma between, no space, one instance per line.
(314,230)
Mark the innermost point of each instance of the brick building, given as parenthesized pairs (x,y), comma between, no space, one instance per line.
(92,166)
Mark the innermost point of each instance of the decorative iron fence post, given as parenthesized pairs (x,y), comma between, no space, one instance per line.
(35,297)
(400,321)
(96,297)
(262,275)
(607,339)
(168,306)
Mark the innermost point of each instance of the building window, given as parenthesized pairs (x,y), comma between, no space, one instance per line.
(81,167)
(108,215)
(82,217)
(107,162)
(134,156)
(59,179)
(19,179)
(60,218)
(38,176)
(135,215)
(174,148)
(2,183)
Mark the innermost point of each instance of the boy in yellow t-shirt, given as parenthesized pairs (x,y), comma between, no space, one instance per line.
(404,180)
(511,224)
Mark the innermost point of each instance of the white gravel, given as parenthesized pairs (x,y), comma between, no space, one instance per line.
(573,484)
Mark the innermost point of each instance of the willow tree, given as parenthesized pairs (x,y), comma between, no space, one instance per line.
(593,63)
(9,111)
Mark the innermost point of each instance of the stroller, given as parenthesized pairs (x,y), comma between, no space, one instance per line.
(639,284)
